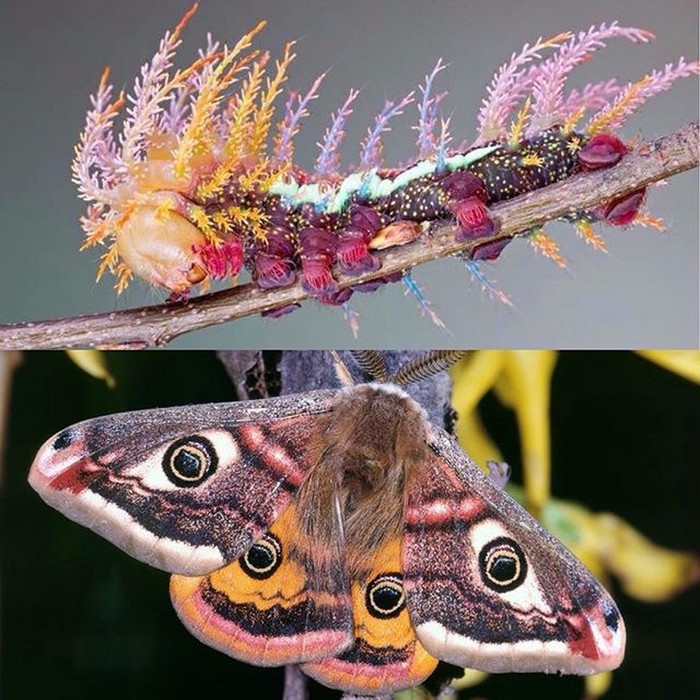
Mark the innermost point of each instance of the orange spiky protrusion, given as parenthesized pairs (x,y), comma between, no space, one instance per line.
(547,246)
(646,220)
(585,231)
(185,19)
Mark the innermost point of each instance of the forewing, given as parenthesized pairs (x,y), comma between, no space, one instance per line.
(488,588)
(184,489)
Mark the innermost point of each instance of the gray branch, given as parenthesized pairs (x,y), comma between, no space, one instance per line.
(158,325)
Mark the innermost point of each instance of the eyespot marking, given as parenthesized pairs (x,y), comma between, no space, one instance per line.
(385,597)
(502,564)
(190,461)
(263,558)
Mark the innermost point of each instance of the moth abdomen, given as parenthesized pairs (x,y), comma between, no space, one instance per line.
(367,447)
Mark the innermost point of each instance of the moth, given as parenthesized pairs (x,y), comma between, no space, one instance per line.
(336,529)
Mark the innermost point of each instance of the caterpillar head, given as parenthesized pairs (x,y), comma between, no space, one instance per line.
(162,249)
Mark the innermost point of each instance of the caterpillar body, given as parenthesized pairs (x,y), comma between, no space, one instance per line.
(189,190)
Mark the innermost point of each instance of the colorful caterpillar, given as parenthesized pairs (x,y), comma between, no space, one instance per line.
(190,191)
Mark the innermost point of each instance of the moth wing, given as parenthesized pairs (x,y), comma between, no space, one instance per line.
(266,608)
(488,588)
(385,655)
(184,489)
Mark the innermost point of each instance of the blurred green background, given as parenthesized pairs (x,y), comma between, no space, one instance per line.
(643,294)
(81,619)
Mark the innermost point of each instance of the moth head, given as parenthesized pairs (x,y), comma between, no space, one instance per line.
(161,248)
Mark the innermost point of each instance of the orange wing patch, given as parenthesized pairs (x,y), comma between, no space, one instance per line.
(386,656)
(262,608)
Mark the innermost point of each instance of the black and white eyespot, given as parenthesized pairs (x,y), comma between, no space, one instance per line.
(384,596)
(190,460)
(263,558)
(502,564)
(64,439)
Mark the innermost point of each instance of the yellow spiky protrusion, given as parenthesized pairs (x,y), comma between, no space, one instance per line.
(199,217)
(250,218)
(607,118)
(518,126)
(263,115)
(108,262)
(199,133)
(213,185)
(124,274)
(574,144)
(530,159)
(573,119)
(242,107)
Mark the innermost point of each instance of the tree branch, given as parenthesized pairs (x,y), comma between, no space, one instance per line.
(158,325)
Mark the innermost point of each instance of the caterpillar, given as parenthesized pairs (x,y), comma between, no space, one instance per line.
(193,187)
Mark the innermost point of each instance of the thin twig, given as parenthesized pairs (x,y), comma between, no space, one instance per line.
(158,325)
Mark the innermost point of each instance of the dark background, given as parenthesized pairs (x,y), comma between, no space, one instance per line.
(81,619)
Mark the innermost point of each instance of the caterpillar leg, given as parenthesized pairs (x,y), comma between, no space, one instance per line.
(342,295)
(318,251)
(274,264)
(280,311)
(604,151)
(468,203)
(623,210)
(353,251)
(601,151)
(336,298)
(488,251)
(222,259)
